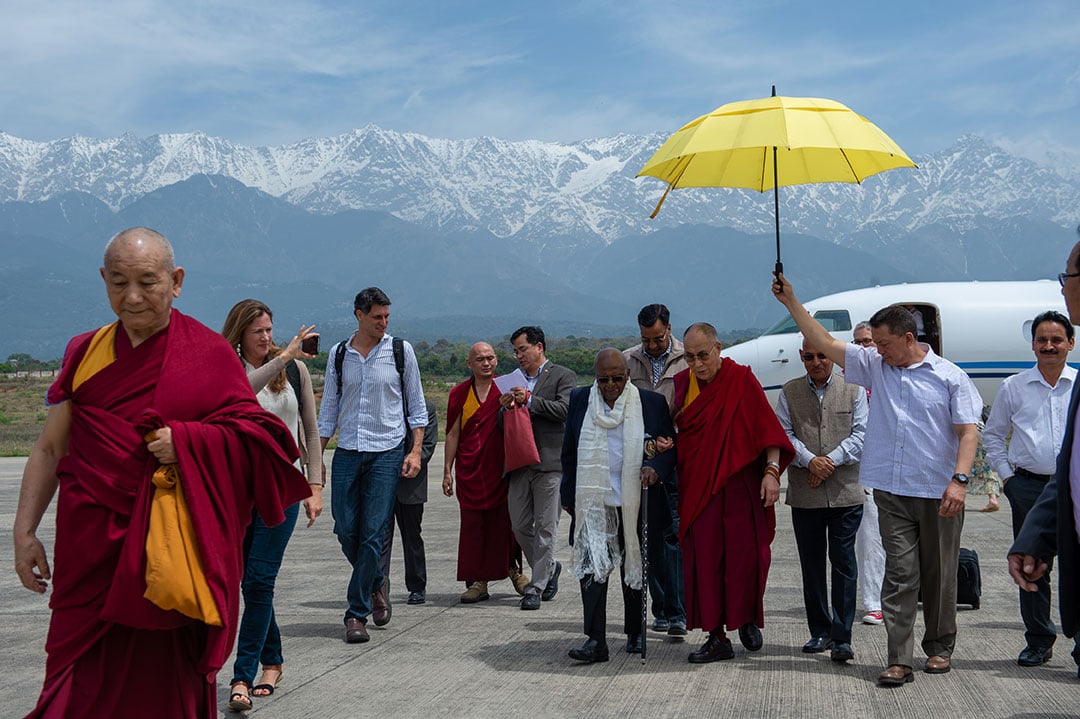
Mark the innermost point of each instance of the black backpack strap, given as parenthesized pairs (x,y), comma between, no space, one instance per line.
(399,362)
(339,361)
(292,373)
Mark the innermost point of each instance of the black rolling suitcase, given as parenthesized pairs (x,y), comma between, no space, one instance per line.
(968,579)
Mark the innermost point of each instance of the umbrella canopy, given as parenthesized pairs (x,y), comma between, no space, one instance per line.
(772,142)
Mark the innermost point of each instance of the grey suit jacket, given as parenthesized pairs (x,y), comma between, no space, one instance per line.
(547,410)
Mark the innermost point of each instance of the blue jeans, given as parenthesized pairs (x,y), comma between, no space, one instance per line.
(362,490)
(259,638)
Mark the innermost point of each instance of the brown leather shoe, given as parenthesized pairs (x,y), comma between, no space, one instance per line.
(519,580)
(895,675)
(380,606)
(355,631)
(938,665)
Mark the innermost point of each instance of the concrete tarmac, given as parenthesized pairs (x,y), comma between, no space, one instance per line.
(446,659)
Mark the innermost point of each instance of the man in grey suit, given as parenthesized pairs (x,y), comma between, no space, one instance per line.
(409,513)
(1053,524)
(533,496)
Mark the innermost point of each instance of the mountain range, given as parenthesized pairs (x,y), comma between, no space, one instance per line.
(473,237)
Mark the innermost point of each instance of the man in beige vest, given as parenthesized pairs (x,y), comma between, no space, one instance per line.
(825,419)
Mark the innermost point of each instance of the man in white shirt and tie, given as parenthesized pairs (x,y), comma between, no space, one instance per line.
(1032,406)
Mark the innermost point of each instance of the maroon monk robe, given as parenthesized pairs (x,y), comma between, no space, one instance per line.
(724,528)
(110,651)
(486,544)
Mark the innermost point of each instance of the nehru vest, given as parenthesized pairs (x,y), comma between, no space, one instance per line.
(821,426)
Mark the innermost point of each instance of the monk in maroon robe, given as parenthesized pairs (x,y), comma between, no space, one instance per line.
(731,451)
(111,651)
(474,448)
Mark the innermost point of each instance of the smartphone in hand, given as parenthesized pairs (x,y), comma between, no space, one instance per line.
(310,345)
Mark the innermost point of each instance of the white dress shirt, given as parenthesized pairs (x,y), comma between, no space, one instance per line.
(1035,413)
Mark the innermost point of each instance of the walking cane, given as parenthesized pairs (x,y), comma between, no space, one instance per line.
(644,570)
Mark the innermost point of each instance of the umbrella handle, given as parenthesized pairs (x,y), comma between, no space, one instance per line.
(779,269)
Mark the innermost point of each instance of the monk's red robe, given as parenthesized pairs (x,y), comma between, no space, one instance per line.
(724,529)
(111,652)
(485,539)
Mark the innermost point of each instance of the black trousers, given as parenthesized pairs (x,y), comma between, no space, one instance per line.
(594,600)
(828,531)
(409,517)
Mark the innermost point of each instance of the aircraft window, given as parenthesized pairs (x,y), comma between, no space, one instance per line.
(785,326)
(834,320)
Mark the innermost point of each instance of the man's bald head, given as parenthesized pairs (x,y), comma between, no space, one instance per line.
(482,360)
(707,331)
(610,357)
(144,239)
(142,280)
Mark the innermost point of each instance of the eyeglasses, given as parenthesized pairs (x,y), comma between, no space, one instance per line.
(1066,275)
(617,379)
(698,356)
(658,341)
(865,341)
(810,357)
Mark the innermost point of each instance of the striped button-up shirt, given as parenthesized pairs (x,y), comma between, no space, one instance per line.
(369,415)
(911,444)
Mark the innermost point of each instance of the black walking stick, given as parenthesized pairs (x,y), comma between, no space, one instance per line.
(644,570)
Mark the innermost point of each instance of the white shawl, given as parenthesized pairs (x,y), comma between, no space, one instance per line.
(596,543)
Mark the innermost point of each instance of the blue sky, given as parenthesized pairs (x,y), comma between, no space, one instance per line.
(273,72)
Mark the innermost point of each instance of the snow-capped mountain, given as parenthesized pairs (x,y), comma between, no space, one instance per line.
(540,191)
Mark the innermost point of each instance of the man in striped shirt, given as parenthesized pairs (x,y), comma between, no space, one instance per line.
(376,406)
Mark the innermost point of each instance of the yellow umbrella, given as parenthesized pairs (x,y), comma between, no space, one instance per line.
(771,142)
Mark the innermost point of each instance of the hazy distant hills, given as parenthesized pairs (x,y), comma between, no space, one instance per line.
(473,238)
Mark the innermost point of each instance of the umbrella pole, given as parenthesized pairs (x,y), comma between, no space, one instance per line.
(776,207)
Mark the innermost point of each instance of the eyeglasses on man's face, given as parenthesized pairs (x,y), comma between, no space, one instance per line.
(865,341)
(655,341)
(1066,275)
(702,356)
(615,378)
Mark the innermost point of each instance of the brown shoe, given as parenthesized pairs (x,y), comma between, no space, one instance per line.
(380,606)
(477,592)
(519,580)
(355,631)
(938,665)
(895,675)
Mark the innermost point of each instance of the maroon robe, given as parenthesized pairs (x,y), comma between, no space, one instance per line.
(486,546)
(725,531)
(111,652)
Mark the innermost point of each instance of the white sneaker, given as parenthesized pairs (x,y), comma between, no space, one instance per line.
(873,618)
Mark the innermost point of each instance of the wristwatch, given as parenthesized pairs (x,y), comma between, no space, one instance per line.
(960,479)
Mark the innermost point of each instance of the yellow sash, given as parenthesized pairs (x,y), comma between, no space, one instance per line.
(471,405)
(174,572)
(692,391)
(100,354)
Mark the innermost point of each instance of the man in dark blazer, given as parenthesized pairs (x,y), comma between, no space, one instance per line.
(616,457)
(1053,524)
(533,496)
(409,513)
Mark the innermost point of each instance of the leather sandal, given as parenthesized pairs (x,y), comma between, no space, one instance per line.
(240,701)
(265,689)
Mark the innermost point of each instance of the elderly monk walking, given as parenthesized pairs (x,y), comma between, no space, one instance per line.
(111,651)
(731,453)
(474,450)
